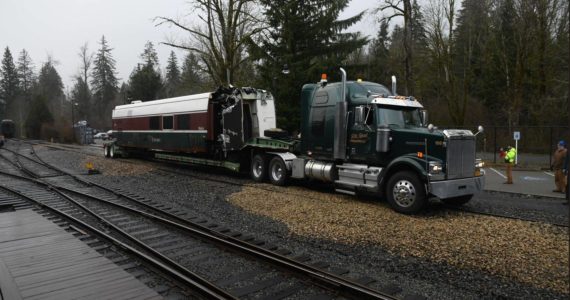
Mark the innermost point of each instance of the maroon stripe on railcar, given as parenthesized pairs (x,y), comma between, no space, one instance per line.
(195,121)
(140,123)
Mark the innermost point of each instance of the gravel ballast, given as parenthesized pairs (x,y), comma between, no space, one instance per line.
(442,255)
(532,253)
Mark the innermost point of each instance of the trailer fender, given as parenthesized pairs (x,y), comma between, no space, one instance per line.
(287,158)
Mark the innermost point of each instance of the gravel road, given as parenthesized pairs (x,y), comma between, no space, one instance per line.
(440,254)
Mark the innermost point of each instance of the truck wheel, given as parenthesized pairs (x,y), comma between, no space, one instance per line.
(457,201)
(406,193)
(278,174)
(106,151)
(112,153)
(258,168)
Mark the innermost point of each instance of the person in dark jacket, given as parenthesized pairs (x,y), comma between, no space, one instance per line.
(559,166)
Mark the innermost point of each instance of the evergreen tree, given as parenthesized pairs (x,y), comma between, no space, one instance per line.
(80,96)
(307,37)
(145,80)
(9,83)
(379,68)
(191,81)
(149,55)
(50,86)
(172,80)
(104,84)
(27,74)
(38,116)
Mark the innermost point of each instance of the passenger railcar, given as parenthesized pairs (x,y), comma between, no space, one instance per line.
(8,128)
(210,123)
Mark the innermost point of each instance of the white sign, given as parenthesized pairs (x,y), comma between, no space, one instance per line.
(517,135)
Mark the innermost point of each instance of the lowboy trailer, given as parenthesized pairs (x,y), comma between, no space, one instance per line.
(357,135)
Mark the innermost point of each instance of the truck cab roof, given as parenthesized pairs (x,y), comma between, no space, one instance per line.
(366,92)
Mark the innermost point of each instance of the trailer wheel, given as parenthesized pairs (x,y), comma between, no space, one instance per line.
(258,168)
(457,201)
(406,193)
(278,174)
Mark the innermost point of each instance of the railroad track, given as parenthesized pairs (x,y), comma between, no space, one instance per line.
(207,177)
(219,262)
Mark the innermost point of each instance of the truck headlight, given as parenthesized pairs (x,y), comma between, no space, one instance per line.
(435,167)
(479,164)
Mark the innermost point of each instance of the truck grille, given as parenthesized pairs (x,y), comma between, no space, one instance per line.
(460,157)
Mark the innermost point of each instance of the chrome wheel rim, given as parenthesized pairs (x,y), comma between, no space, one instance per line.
(404,193)
(112,152)
(257,168)
(277,172)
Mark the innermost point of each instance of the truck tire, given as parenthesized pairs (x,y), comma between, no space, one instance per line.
(106,151)
(457,201)
(258,168)
(112,153)
(278,174)
(406,193)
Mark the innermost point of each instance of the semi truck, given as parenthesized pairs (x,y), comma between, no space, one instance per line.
(358,136)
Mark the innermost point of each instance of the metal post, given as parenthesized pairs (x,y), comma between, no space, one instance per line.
(517,149)
(549,145)
(566,165)
(495,141)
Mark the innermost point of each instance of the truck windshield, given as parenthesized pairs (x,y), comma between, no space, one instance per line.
(400,117)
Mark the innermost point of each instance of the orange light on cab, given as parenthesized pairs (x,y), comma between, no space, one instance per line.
(323,77)
(420,154)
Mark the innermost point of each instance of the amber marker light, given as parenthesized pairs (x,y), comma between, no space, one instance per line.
(420,154)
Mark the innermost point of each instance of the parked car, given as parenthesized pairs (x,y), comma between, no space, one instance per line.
(101,135)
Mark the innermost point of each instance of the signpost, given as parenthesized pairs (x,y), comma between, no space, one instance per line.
(517,137)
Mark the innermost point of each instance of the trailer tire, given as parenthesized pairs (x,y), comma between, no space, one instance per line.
(278,174)
(106,151)
(457,201)
(406,193)
(258,168)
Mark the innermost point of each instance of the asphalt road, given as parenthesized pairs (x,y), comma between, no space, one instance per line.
(537,183)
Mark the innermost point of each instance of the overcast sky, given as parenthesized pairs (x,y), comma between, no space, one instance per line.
(59,27)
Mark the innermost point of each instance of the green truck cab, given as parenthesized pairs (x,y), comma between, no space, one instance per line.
(363,138)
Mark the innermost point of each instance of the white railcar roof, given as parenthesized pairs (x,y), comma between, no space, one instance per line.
(178,105)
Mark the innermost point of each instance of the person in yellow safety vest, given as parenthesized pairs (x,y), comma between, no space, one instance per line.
(510,160)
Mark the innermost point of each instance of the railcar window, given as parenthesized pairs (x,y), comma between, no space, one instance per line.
(183,122)
(168,122)
(154,123)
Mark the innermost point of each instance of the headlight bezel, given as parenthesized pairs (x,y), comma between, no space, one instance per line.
(435,167)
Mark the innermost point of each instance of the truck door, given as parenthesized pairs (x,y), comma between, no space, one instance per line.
(362,134)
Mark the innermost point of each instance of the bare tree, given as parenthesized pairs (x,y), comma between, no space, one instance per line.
(403,8)
(440,28)
(220,37)
(86,60)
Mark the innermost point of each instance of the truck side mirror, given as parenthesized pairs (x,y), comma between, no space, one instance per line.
(359,115)
(479,130)
(424,116)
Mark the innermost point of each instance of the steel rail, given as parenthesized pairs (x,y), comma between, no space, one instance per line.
(164,263)
(348,287)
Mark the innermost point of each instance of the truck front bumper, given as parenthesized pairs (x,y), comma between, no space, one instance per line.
(457,187)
